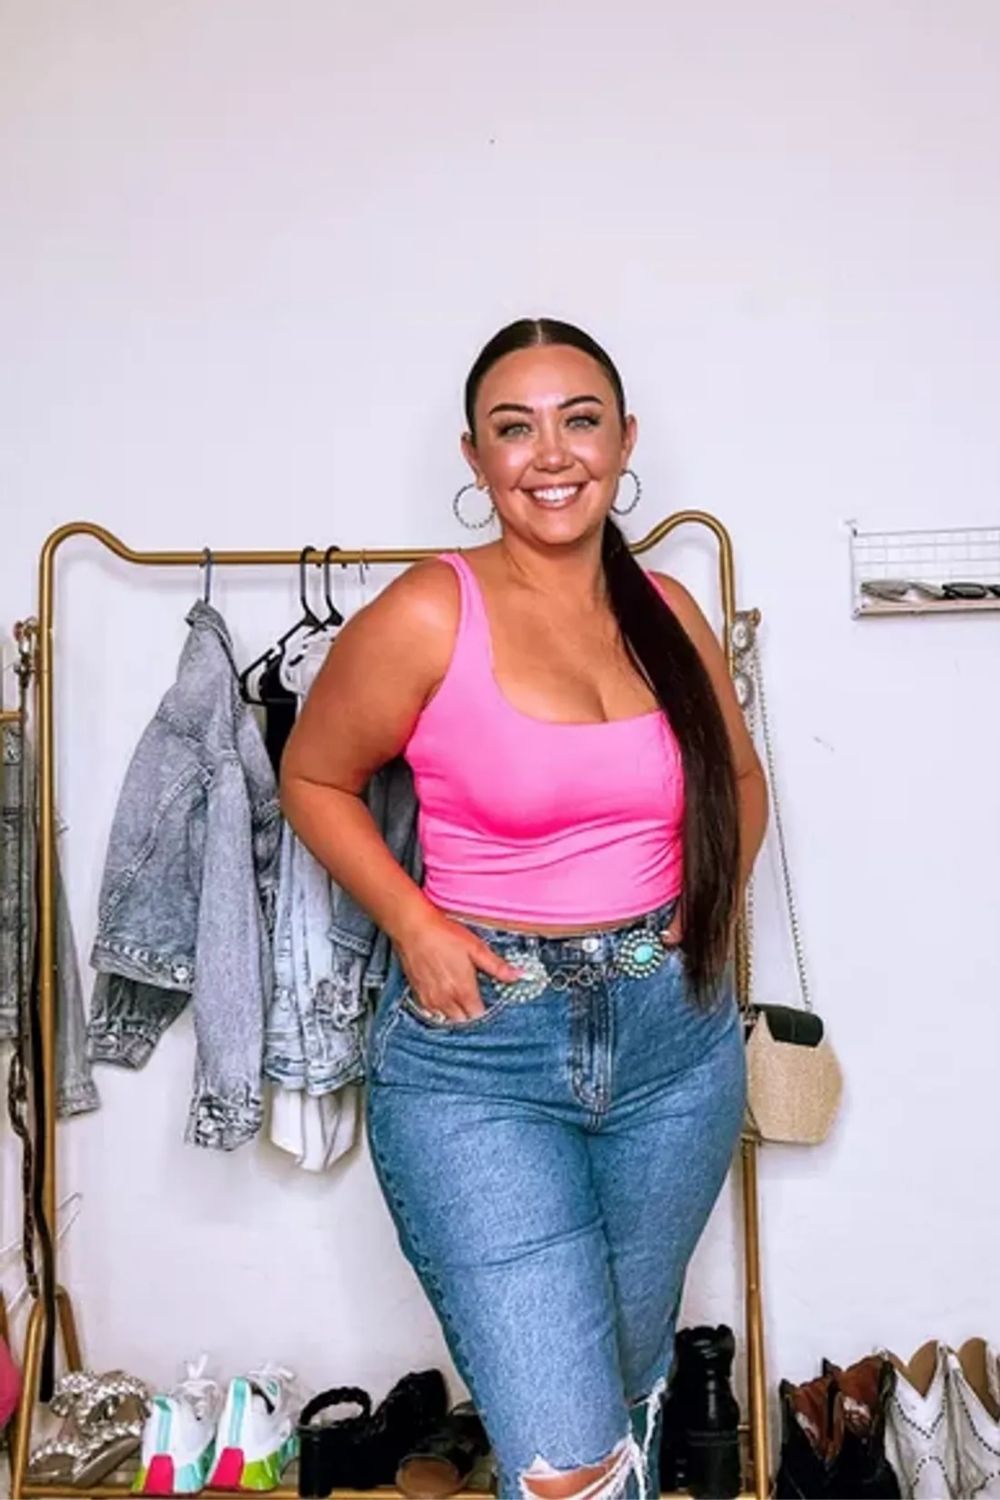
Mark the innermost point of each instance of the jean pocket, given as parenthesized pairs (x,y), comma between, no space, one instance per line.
(494,1003)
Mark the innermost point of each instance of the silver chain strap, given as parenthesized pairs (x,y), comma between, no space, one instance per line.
(755,697)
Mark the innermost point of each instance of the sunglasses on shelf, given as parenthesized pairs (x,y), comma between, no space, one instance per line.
(897,590)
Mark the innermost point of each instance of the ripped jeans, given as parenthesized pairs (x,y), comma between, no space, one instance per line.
(550,1166)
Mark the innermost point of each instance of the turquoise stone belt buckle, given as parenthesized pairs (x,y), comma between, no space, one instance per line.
(639,953)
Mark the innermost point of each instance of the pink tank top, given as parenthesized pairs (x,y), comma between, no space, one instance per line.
(536,821)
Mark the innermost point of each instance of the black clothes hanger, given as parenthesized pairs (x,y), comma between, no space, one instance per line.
(308,624)
(280,704)
(333,617)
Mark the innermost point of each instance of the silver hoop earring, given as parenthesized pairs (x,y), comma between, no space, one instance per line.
(627,510)
(456,506)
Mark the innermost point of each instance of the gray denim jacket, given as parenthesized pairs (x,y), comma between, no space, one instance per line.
(75,1091)
(187,897)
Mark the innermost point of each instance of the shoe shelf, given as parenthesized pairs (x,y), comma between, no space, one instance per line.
(113,1489)
(968,555)
(107,1491)
(283,1492)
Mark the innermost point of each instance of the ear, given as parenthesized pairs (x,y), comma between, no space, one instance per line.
(472,458)
(629,437)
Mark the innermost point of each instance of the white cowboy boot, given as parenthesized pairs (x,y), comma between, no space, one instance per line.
(974,1397)
(920,1441)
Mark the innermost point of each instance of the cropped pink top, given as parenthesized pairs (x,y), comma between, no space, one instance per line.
(559,824)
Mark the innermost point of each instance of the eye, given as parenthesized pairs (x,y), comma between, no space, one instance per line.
(584,420)
(513,429)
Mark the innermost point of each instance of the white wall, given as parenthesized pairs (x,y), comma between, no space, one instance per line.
(248,251)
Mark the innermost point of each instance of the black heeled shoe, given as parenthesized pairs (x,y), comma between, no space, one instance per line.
(365,1450)
(442,1461)
(331,1453)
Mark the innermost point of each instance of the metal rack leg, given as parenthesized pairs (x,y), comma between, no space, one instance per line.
(67,1327)
(20,1444)
(759,1441)
(29,1395)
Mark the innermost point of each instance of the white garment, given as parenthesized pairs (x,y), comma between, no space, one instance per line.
(316,1131)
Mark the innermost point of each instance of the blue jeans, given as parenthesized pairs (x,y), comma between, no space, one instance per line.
(550,1167)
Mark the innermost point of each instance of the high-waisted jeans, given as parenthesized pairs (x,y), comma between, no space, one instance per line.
(550,1166)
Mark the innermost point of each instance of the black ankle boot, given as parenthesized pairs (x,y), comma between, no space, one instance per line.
(700,1445)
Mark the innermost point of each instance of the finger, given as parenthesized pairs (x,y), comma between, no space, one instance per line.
(458,1001)
(442,1010)
(491,963)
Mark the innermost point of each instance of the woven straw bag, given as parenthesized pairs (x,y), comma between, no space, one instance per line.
(794,1081)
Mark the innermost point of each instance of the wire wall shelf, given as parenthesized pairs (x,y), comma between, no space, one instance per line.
(950,571)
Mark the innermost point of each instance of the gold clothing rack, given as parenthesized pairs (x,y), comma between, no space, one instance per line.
(44,699)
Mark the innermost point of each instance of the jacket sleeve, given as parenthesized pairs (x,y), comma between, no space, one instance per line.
(231,980)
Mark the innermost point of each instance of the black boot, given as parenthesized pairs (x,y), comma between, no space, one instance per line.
(441,1462)
(700,1444)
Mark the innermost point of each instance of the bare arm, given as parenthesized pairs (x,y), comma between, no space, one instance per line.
(751,784)
(380,672)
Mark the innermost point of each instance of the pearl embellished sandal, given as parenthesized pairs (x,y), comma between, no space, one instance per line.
(103,1417)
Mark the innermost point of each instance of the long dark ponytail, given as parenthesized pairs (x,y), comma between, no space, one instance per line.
(663,653)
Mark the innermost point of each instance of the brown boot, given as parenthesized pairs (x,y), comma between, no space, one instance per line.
(865,1387)
(812,1437)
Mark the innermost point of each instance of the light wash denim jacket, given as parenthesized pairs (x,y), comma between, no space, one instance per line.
(75,1091)
(330,960)
(187,897)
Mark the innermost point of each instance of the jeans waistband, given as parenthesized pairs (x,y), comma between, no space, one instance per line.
(597,945)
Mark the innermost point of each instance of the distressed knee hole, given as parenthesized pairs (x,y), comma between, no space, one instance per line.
(601,1481)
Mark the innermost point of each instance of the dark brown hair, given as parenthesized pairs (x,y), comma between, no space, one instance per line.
(663,653)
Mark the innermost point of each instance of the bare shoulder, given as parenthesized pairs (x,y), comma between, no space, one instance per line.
(421,605)
(681,601)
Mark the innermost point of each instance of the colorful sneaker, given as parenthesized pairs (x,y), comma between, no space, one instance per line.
(256,1439)
(178,1442)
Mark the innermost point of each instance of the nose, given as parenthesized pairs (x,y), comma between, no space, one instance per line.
(551,452)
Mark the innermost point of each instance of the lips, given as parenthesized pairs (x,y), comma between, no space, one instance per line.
(556,494)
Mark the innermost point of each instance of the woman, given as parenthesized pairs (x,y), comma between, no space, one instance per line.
(556,1060)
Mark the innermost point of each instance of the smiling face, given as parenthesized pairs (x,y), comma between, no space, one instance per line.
(549,442)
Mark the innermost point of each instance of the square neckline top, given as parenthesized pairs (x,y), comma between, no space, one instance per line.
(549,821)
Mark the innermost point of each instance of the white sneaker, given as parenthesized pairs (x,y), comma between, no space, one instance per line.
(178,1440)
(974,1393)
(920,1439)
(256,1439)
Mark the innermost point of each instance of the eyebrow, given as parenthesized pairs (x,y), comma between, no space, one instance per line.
(530,410)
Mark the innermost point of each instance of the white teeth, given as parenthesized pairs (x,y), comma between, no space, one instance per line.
(562,492)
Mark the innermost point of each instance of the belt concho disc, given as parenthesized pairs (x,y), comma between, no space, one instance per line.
(533,982)
(639,953)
